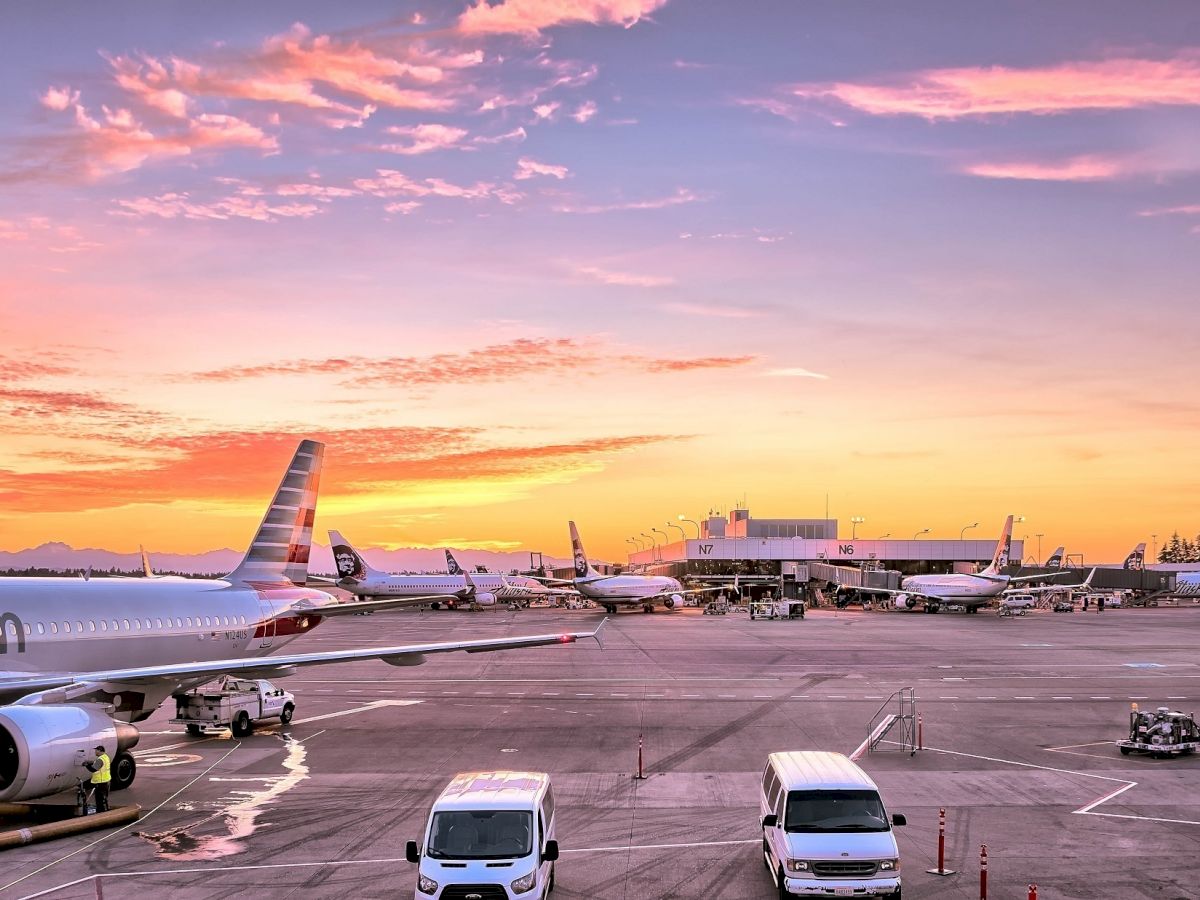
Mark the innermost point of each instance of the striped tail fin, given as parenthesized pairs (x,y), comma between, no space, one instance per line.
(279,551)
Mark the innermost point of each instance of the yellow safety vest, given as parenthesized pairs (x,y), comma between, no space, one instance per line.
(103,775)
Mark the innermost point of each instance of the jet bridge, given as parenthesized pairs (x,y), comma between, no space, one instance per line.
(853,577)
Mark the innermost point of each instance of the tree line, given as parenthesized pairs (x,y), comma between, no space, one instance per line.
(1178,549)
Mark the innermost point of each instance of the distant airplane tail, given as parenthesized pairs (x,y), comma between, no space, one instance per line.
(1137,559)
(452,565)
(280,549)
(582,568)
(346,560)
(147,570)
(1056,559)
(1003,549)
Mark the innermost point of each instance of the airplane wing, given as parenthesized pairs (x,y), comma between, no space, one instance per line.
(893,592)
(1039,577)
(63,688)
(359,607)
(1054,587)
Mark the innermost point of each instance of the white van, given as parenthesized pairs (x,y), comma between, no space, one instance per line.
(826,832)
(490,836)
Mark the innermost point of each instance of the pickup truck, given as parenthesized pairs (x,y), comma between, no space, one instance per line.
(237,703)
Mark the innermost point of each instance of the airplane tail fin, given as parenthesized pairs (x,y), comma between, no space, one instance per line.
(1056,559)
(583,569)
(1137,559)
(347,561)
(1003,549)
(147,570)
(452,565)
(280,549)
(1087,582)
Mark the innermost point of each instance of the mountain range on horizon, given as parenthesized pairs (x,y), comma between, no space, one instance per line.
(58,556)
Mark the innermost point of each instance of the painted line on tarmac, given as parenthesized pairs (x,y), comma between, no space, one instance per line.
(1089,809)
(628,847)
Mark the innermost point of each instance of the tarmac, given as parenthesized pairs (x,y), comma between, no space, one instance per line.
(1020,719)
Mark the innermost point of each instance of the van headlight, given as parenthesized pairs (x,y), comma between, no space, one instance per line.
(426,885)
(525,883)
(798,865)
(889,865)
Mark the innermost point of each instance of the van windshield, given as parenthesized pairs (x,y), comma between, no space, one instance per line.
(484,834)
(817,811)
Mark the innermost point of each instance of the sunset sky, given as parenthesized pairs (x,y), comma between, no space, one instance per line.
(610,260)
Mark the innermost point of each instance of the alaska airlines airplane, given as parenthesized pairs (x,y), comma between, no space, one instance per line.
(85,659)
(1056,559)
(456,589)
(611,591)
(517,587)
(969,591)
(1136,560)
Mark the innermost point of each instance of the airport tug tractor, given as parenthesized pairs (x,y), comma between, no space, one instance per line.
(1163,733)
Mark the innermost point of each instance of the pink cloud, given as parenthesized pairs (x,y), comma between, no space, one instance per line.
(1192,209)
(1079,168)
(182,206)
(149,80)
(528,17)
(517,135)
(546,111)
(390,183)
(424,138)
(529,168)
(713,311)
(59,99)
(680,197)
(1122,83)
(625,279)
(584,112)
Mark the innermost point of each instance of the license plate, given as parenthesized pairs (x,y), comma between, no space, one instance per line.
(843,892)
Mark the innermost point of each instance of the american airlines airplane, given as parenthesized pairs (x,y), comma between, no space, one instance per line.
(85,660)
(611,591)
(969,591)
(458,588)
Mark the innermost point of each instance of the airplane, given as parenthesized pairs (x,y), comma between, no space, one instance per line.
(521,587)
(359,578)
(1056,559)
(1136,560)
(969,591)
(84,661)
(611,591)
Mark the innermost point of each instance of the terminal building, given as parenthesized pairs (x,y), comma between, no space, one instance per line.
(783,555)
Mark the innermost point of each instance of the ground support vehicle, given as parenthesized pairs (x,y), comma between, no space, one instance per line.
(1064,606)
(1163,733)
(777,609)
(716,608)
(236,703)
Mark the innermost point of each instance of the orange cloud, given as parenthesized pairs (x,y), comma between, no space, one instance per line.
(703,362)
(528,17)
(1122,83)
(1079,168)
(229,467)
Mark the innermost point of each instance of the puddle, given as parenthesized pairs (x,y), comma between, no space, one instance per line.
(235,818)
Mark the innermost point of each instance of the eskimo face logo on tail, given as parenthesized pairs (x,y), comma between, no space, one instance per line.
(1136,560)
(347,563)
(581,567)
(452,565)
(1005,550)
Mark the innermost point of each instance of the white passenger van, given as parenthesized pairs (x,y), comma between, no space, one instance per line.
(826,832)
(490,836)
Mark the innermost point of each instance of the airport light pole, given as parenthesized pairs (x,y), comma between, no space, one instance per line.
(964,529)
(682,533)
(1039,537)
(855,521)
(682,518)
(1154,552)
(636,545)
(637,541)
(653,545)
(919,533)
(666,538)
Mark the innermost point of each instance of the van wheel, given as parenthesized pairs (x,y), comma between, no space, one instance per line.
(286,715)
(241,725)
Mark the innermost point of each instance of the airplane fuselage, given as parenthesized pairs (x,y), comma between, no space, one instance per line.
(632,589)
(424,585)
(967,590)
(61,625)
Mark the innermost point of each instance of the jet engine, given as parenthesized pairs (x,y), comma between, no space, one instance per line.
(904,601)
(675,601)
(43,748)
(484,598)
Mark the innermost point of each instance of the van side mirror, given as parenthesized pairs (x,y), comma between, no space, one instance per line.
(899,819)
(411,853)
(770,821)
(550,854)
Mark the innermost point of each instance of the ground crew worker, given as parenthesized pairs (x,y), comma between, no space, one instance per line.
(101,769)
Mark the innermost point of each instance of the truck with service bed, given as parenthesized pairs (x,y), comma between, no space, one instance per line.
(236,703)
